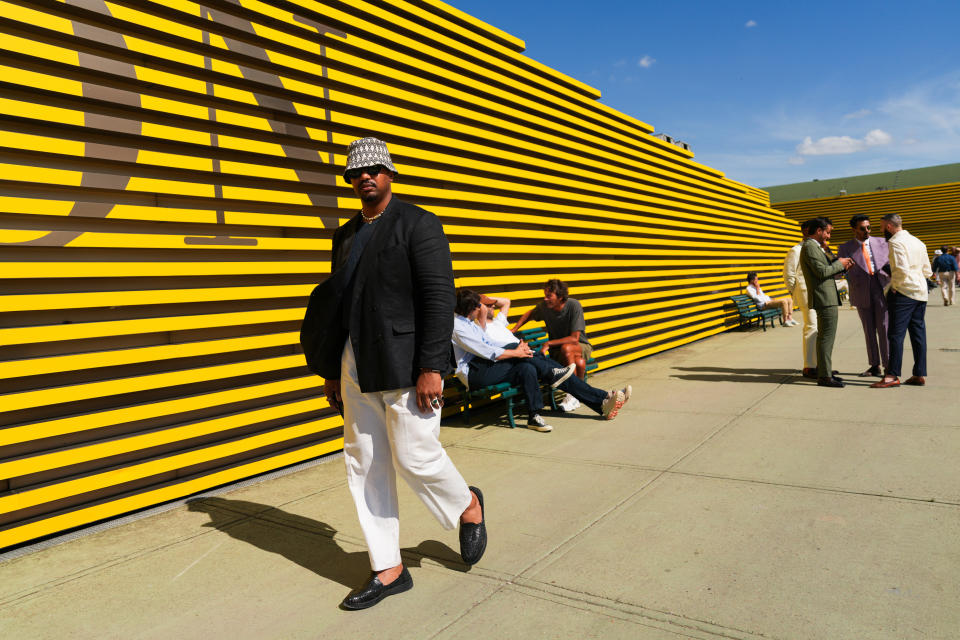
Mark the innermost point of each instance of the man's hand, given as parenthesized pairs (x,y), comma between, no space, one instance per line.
(846,262)
(429,391)
(524,348)
(331,389)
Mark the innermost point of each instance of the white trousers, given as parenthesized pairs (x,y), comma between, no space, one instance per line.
(385,433)
(948,284)
(809,333)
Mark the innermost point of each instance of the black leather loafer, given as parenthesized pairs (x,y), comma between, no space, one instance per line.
(375,591)
(473,537)
(830,382)
(872,372)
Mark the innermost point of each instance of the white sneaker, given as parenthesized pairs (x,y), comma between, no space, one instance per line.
(793,322)
(537,424)
(569,404)
(611,406)
(627,391)
(560,375)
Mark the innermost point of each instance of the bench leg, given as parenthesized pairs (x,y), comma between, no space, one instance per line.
(553,400)
(513,425)
(466,408)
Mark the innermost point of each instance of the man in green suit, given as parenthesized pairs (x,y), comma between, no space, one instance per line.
(819,271)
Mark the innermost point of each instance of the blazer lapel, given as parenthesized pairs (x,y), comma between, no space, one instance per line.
(381,232)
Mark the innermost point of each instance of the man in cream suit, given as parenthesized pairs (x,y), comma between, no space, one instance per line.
(906,302)
(797,286)
(868,281)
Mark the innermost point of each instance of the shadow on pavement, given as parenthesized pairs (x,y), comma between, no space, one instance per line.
(306,542)
(727,374)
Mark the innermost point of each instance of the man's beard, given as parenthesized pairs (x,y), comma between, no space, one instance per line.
(887,234)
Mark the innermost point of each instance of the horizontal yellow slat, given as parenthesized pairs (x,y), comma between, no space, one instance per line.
(72,393)
(78,455)
(79,517)
(79,486)
(146,411)
(79,331)
(117,357)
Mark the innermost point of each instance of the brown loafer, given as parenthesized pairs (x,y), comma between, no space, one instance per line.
(886,384)
(916,381)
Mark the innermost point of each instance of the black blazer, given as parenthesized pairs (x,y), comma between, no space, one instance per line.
(403,300)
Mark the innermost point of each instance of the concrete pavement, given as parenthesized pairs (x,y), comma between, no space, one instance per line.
(730,499)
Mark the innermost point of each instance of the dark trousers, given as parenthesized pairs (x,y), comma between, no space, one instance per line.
(526,374)
(590,396)
(907,314)
(519,372)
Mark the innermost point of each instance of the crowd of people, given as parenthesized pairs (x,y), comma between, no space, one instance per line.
(379,331)
(889,286)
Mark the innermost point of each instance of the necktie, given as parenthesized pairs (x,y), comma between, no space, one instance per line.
(866,258)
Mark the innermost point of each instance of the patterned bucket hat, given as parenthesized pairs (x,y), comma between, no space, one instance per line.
(368,152)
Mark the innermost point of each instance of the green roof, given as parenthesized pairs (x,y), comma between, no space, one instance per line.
(832,187)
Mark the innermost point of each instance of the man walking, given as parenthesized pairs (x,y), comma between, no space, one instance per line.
(945,270)
(378,331)
(906,301)
(822,295)
(868,281)
(797,286)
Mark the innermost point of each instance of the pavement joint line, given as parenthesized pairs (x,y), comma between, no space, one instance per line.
(632,610)
(669,471)
(562,547)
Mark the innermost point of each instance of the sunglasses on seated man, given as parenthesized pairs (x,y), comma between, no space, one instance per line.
(373,172)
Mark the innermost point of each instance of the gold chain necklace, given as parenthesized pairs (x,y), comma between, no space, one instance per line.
(372,218)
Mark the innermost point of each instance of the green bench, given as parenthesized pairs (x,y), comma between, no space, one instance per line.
(749,312)
(511,395)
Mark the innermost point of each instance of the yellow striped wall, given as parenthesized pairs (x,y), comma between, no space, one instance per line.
(931,213)
(168,194)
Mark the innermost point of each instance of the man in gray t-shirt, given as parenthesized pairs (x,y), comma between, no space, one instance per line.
(566,327)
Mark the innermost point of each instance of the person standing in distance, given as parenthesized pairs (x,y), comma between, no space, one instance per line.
(906,302)
(378,332)
(868,281)
(819,273)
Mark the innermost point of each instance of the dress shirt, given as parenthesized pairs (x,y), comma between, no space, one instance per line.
(909,266)
(792,273)
(469,342)
(498,332)
(758,295)
(870,261)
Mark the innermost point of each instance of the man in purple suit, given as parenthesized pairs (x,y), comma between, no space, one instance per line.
(868,278)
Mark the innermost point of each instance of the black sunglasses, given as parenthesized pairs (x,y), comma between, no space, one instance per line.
(353,174)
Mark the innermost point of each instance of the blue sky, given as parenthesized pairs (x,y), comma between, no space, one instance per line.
(769,92)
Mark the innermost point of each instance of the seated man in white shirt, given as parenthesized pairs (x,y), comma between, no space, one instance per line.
(763,300)
(606,403)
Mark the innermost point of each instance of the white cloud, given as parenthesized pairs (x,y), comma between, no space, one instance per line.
(796,160)
(646,62)
(750,24)
(837,145)
(860,113)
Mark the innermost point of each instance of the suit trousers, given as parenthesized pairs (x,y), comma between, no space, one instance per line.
(809,332)
(907,314)
(874,320)
(948,284)
(826,334)
(385,433)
